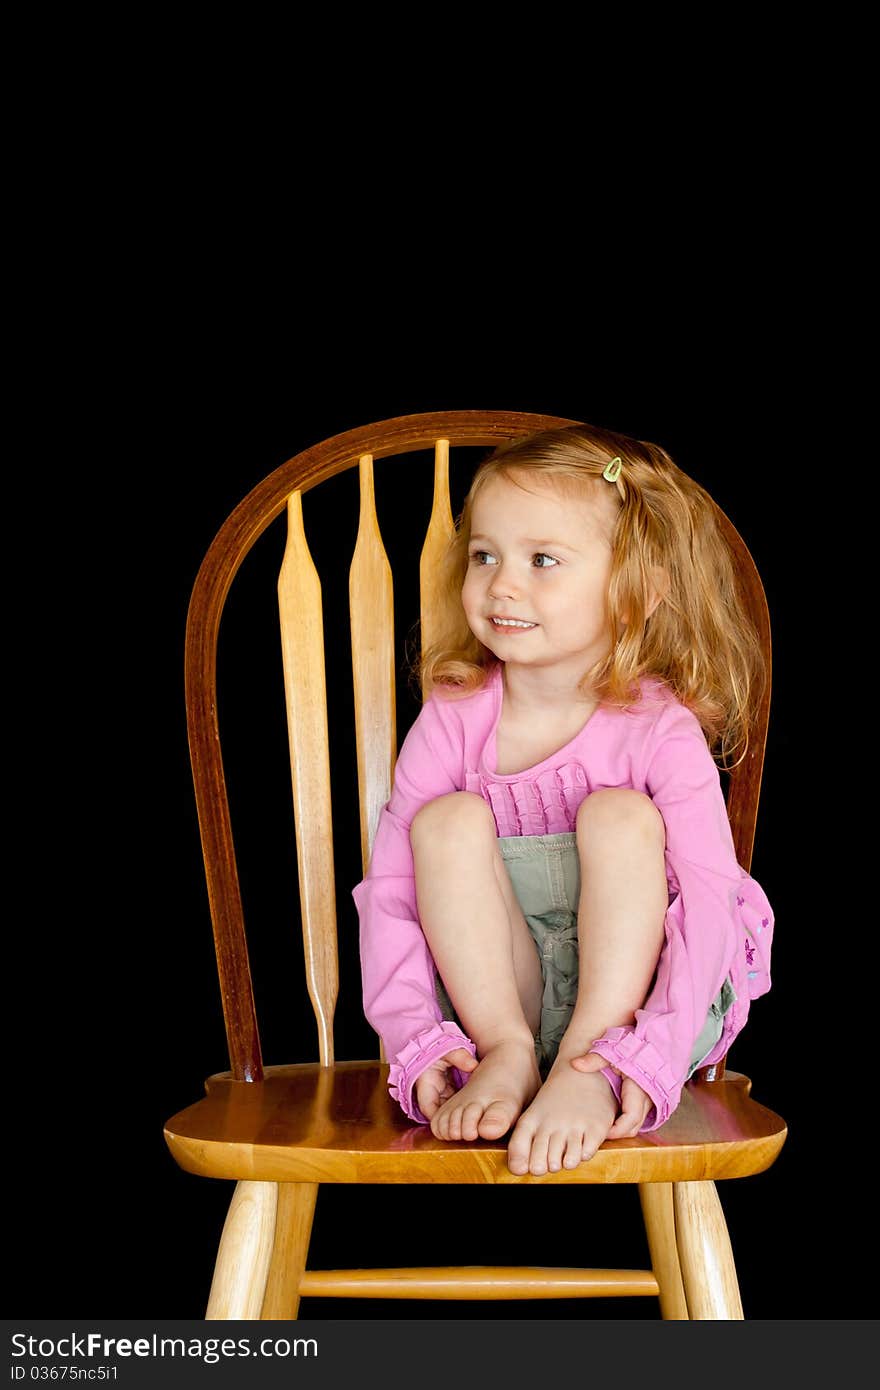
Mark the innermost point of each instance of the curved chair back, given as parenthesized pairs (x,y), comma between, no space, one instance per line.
(371,604)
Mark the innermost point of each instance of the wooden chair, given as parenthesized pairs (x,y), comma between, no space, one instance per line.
(279,1131)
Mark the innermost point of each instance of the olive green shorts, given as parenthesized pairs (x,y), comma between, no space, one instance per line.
(545,873)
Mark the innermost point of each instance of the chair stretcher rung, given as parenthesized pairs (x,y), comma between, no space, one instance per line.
(476,1281)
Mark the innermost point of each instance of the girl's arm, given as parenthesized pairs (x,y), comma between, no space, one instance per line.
(718,923)
(397,968)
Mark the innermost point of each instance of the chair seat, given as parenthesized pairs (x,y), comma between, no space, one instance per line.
(308,1123)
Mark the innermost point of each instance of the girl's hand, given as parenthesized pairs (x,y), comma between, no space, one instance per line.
(435,1085)
(634,1102)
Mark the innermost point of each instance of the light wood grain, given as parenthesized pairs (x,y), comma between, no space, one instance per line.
(659,1218)
(242,1266)
(293,1228)
(478,1282)
(302,646)
(708,1270)
(307,1123)
(441,528)
(371,605)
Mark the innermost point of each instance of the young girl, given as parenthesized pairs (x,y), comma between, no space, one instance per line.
(555,931)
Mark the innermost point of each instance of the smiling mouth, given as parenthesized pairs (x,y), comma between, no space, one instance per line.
(506,624)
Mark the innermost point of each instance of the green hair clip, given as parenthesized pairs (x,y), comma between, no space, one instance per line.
(609,472)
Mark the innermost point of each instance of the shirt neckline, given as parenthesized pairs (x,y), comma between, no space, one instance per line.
(490,748)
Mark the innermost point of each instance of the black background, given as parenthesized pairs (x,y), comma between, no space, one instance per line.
(115,1000)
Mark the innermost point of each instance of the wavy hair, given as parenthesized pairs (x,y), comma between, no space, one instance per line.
(698,640)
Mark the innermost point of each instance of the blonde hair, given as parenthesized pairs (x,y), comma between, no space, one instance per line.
(698,640)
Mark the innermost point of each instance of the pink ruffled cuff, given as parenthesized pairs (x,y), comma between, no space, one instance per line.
(426,1047)
(640,1060)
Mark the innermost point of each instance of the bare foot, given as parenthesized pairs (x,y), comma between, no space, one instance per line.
(492,1100)
(565,1124)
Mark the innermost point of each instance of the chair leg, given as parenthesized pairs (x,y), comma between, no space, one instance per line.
(707,1266)
(245,1253)
(293,1229)
(659,1218)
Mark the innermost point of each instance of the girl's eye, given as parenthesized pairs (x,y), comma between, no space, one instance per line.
(480,556)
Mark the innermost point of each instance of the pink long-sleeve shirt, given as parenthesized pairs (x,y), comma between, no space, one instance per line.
(718,922)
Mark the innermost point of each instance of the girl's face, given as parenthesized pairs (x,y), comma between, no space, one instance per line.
(539,564)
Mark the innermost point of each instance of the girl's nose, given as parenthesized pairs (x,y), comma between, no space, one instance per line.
(503,583)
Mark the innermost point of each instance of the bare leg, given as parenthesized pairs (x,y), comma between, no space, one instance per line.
(486,956)
(623,901)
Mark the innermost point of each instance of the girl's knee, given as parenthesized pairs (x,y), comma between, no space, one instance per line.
(620,810)
(457,813)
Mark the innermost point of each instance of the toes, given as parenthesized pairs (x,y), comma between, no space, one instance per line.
(589,1146)
(545,1151)
(471,1116)
(454,1126)
(478,1120)
(440,1124)
(556,1146)
(496,1121)
(519,1150)
(574,1149)
(564,1149)
(539,1155)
